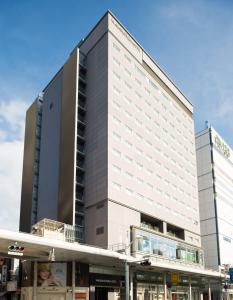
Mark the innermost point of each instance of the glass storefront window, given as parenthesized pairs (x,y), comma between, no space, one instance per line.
(147,242)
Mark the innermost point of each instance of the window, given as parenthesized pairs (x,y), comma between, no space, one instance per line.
(139,180)
(150,172)
(138,95)
(138,136)
(128,144)
(116,61)
(148,157)
(139,196)
(138,108)
(138,81)
(148,117)
(129,191)
(116,186)
(116,120)
(128,159)
(128,100)
(117,76)
(116,152)
(128,72)
(116,47)
(117,105)
(116,136)
(139,123)
(139,165)
(127,58)
(150,186)
(129,175)
(116,90)
(116,169)
(139,151)
(128,129)
(128,114)
(128,85)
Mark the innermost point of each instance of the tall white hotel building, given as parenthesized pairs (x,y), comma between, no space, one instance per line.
(110,148)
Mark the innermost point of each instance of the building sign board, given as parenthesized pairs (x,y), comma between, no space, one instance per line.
(51,274)
(222,146)
(175,278)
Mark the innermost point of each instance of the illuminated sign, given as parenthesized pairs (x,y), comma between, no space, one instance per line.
(222,146)
(175,278)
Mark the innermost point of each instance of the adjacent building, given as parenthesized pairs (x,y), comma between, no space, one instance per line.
(215,182)
(113,153)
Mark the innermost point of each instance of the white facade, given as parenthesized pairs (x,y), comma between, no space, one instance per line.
(215,178)
(151,150)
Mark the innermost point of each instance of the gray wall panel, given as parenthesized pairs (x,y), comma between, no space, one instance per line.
(96,119)
(68,140)
(28,161)
(49,155)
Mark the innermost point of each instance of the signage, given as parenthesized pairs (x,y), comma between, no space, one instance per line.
(51,274)
(80,295)
(222,146)
(4,274)
(175,278)
(106,280)
(231,274)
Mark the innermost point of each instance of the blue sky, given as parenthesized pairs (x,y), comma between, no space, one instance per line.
(191,40)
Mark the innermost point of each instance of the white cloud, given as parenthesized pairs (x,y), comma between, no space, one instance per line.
(12,115)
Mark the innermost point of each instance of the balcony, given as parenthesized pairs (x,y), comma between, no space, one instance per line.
(82,77)
(80,184)
(81,131)
(81,108)
(79,137)
(79,234)
(79,199)
(81,118)
(167,249)
(82,92)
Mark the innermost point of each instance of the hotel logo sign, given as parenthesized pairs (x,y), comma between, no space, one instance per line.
(222,146)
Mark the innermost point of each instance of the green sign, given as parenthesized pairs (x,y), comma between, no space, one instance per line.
(222,146)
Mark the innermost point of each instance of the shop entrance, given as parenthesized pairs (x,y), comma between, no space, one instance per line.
(106,293)
(101,293)
(179,296)
(150,292)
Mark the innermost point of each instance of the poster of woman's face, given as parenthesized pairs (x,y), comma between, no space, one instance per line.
(51,274)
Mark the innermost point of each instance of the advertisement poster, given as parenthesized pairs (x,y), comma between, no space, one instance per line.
(51,274)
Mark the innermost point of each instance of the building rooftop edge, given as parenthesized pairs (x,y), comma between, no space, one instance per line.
(111,13)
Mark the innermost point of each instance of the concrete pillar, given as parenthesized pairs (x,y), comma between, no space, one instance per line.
(73,279)
(164,227)
(190,289)
(35,281)
(131,284)
(201,295)
(126,280)
(165,286)
(209,292)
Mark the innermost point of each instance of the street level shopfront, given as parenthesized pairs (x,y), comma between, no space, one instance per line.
(159,286)
(72,269)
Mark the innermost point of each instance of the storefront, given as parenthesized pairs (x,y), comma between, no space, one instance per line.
(161,286)
(55,280)
(106,287)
